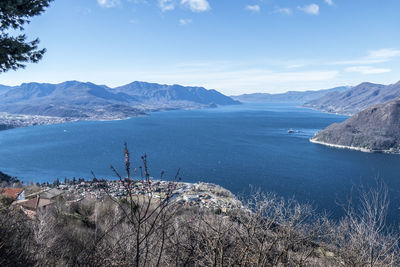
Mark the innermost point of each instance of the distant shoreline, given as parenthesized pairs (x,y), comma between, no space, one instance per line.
(49,120)
(59,120)
(361,149)
(327,112)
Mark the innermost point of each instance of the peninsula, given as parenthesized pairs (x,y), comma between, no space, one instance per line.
(374,129)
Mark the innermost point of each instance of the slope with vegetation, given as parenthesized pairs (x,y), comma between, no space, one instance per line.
(291,96)
(376,128)
(6,179)
(356,98)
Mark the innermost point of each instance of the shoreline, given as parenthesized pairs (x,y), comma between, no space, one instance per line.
(365,150)
(64,120)
(328,112)
(49,120)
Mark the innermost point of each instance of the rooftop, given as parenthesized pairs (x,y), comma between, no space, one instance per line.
(11,192)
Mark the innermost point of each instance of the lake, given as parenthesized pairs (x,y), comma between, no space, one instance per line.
(233,146)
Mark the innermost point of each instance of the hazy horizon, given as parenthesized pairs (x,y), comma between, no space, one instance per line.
(171,84)
(234,47)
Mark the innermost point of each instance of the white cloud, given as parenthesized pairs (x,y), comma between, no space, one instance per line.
(255,8)
(193,5)
(138,1)
(166,5)
(283,10)
(373,57)
(185,21)
(329,2)
(384,54)
(367,70)
(109,3)
(196,5)
(295,66)
(312,9)
(237,79)
(229,77)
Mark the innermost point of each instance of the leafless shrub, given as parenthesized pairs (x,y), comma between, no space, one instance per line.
(276,232)
(64,234)
(139,224)
(16,237)
(362,237)
(268,232)
(143,228)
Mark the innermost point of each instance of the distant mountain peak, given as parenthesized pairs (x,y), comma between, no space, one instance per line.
(356,98)
(396,84)
(299,97)
(86,99)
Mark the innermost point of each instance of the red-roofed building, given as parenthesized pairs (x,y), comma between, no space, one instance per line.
(15,193)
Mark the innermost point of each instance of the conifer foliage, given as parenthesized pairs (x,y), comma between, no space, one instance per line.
(16,50)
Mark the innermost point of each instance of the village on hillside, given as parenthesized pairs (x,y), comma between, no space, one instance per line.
(203,195)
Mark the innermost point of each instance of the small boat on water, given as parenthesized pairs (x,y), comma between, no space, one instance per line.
(290,131)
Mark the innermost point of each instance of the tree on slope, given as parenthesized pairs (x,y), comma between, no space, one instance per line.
(15,51)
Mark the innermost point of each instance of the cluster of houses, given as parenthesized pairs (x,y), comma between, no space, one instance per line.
(31,203)
(15,120)
(202,195)
(206,195)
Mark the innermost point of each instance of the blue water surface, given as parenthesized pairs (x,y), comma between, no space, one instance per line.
(234,146)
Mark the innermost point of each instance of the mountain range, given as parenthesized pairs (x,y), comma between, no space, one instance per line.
(356,98)
(376,128)
(81,100)
(291,96)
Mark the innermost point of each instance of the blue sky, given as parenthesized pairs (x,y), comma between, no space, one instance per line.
(234,46)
